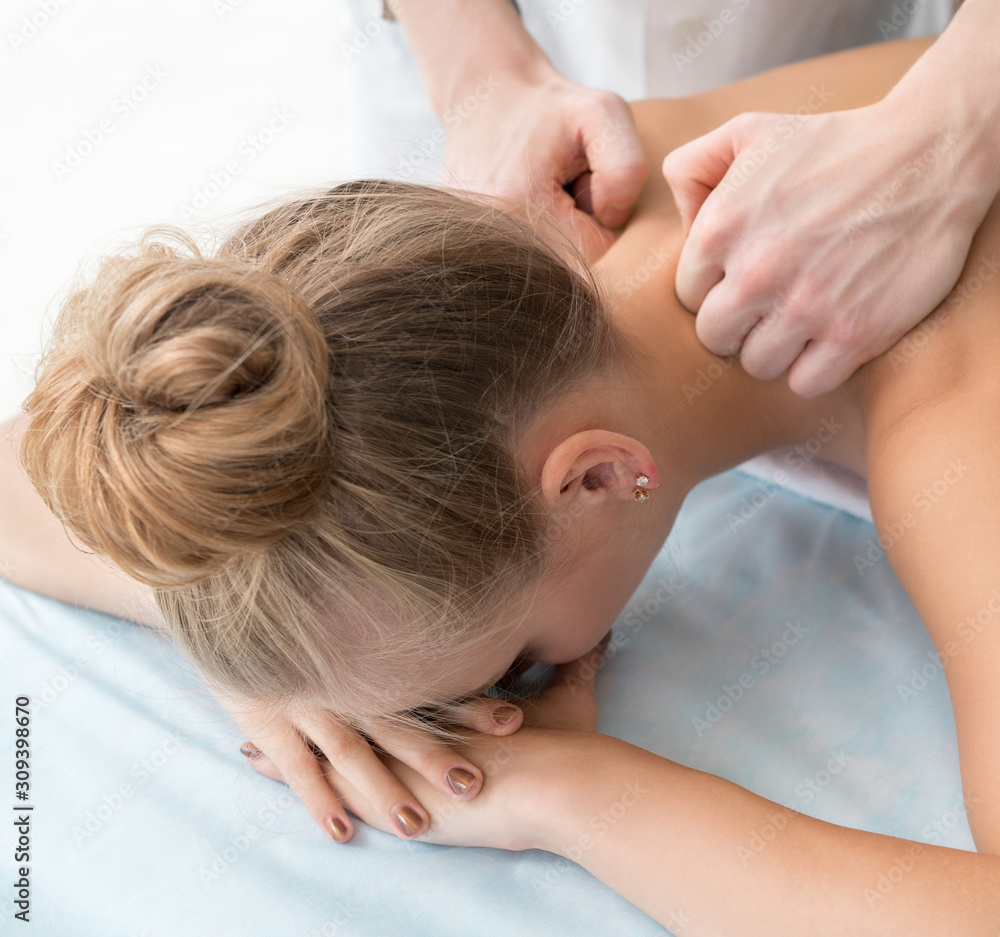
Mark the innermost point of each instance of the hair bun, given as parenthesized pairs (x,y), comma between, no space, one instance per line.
(179,416)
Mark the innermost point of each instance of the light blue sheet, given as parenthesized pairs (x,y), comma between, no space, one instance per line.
(198,844)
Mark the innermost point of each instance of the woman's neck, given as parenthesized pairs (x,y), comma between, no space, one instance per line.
(698,413)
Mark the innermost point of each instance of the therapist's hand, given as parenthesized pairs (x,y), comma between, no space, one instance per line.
(819,240)
(534,135)
(516,127)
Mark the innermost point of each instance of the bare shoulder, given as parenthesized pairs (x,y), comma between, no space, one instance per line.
(840,81)
(945,368)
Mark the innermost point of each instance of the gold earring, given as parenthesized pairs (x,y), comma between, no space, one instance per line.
(641,492)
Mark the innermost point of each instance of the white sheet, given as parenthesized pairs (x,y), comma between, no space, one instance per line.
(845,717)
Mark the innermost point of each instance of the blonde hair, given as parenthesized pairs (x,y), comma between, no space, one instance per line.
(305,441)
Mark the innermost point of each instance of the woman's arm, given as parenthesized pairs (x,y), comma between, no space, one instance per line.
(699,854)
(705,857)
(36,553)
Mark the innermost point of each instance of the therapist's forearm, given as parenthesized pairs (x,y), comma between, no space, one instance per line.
(462,44)
(956,85)
(706,858)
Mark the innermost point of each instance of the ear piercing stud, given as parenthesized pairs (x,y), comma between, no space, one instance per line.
(641,492)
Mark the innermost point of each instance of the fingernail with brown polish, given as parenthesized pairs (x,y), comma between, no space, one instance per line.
(250,750)
(460,780)
(337,828)
(407,819)
(502,715)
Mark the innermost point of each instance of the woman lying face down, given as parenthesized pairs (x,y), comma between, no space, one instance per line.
(382,445)
(390,441)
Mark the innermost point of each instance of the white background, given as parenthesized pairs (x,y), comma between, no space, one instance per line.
(228,65)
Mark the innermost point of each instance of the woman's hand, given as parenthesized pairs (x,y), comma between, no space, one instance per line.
(287,745)
(517,770)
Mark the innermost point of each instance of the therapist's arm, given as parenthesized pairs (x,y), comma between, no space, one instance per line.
(821,253)
(36,553)
(516,127)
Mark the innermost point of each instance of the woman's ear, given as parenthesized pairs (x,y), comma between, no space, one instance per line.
(595,465)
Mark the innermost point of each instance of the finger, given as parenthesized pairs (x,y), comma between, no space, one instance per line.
(699,271)
(771,346)
(352,797)
(487,715)
(721,325)
(260,763)
(590,238)
(303,773)
(822,367)
(616,159)
(354,759)
(447,771)
(693,170)
(581,193)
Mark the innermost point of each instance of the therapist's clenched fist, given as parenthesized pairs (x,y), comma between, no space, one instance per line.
(815,242)
(539,132)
